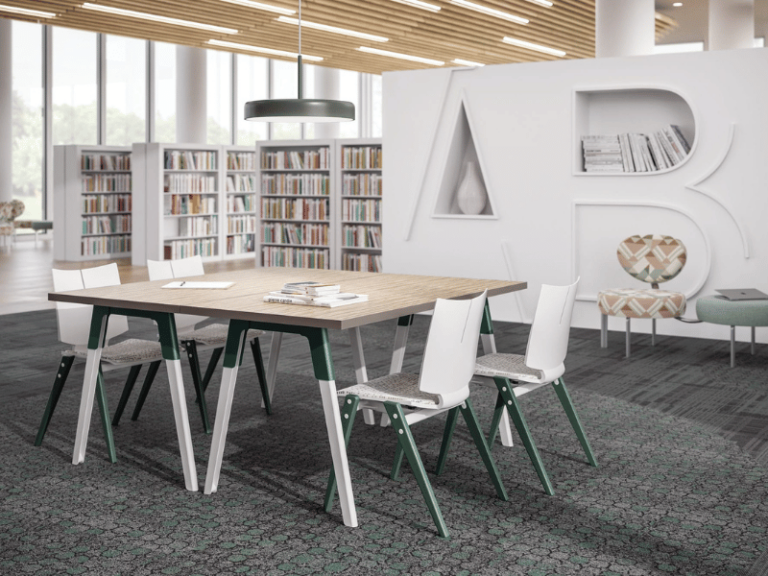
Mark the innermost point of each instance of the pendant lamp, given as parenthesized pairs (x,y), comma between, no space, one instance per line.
(300,109)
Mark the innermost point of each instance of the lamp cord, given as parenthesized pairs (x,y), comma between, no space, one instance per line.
(301,83)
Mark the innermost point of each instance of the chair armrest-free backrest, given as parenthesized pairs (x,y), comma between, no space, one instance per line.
(159,270)
(548,339)
(451,349)
(192,266)
(653,258)
(101,276)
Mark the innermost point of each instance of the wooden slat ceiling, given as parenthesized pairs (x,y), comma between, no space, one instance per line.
(453,32)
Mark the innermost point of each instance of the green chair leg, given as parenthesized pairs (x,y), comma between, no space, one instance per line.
(450,426)
(53,399)
(148,379)
(127,389)
(348,411)
(404,437)
(258,360)
(485,453)
(516,414)
(212,363)
(197,381)
(101,396)
(398,463)
(565,400)
(498,412)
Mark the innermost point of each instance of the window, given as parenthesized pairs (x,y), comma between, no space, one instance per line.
(376,106)
(285,84)
(252,84)
(126,91)
(27,124)
(349,91)
(219,97)
(74,87)
(165,92)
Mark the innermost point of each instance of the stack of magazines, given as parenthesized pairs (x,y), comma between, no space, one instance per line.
(314,294)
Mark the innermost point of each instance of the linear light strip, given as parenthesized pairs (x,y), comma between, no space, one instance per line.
(156,18)
(271,51)
(545,3)
(260,6)
(400,56)
(335,29)
(490,11)
(27,11)
(462,62)
(532,46)
(420,4)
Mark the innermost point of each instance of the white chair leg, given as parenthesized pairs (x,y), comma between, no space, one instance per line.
(629,332)
(752,349)
(220,427)
(361,373)
(733,346)
(653,331)
(603,330)
(182,423)
(274,356)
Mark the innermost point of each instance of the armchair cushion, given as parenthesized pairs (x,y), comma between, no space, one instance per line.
(632,303)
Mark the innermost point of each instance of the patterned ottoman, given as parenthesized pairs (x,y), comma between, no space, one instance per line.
(720,310)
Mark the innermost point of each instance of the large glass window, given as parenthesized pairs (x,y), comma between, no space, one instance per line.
(376,106)
(165,92)
(285,84)
(252,84)
(126,90)
(349,91)
(27,125)
(74,87)
(219,97)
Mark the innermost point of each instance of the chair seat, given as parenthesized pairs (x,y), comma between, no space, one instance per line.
(634,303)
(400,388)
(511,366)
(131,350)
(215,335)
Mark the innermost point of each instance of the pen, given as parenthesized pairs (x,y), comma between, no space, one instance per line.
(182,284)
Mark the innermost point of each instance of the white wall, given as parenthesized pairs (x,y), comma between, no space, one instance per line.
(553,223)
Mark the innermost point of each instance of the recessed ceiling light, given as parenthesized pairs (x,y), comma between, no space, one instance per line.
(401,56)
(420,4)
(546,3)
(532,46)
(490,11)
(463,62)
(27,11)
(326,28)
(272,51)
(677,4)
(156,18)
(260,6)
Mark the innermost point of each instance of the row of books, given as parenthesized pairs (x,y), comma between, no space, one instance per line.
(196,226)
(176,249)
(106,203)
(314,294)
(240,244)
(363,157)
(105,245)
(296,184)
(241,224)
(295,160)
(189,160)
(630,152)
(286,256)
(294,209)
(118,224)
(361,210)
(105,162)
(361,262)
(361,184)
(107,183)
(189,204)
(241,183)
(241,161)
(189,184)
(299,234)
(241,203)
(361,236)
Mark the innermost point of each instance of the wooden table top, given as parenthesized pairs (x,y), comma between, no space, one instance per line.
(389,296)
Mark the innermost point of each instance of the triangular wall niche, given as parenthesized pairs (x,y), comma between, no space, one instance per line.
(463,158)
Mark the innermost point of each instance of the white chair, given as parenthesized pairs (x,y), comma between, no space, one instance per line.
(442,386)
(74,321)
(515,375)
(194,340)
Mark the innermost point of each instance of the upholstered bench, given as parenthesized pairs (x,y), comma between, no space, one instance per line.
(720,310)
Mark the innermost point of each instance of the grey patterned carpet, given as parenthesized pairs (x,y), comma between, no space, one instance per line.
(681,488)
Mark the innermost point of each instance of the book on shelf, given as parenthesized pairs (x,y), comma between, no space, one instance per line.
(633,152)
(328,301)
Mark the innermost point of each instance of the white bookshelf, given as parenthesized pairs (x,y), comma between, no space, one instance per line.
(240,202)
(359,185)
(297,203)
(92,202)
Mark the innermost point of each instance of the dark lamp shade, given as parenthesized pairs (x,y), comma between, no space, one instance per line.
(299,110)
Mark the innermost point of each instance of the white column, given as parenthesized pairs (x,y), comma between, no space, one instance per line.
(624,28)
(191,95)
(6,110)
(731,24)
(327,82)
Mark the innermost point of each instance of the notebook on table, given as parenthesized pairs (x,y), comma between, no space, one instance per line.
(743,294)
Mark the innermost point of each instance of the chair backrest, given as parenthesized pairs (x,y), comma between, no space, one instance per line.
(451,349)
(159,269)
(653,258)
(192,266)
(165,270)
(548,339)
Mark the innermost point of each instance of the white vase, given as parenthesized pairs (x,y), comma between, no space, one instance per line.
(471,195)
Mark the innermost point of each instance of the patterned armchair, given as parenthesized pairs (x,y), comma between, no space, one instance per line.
(8,212)
(653,259)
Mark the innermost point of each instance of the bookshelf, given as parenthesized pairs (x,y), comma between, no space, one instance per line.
(240,188)
(92,202)
(359,234)
(296,203)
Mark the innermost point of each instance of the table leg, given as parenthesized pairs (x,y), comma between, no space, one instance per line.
(361,373)
(182,423)
(488,341)
(274,356)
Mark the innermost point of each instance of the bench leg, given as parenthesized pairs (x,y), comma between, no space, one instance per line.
(733,346)
(753,341)
(629,332)
(603,331)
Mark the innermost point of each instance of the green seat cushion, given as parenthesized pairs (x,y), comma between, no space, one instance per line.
(719,310)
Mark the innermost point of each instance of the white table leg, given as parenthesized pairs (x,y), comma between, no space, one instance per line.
(274,356)
(361,373)
(182,423)
(338,450)
(505,431)
(92,362)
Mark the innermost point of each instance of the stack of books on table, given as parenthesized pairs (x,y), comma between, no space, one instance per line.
(314,294)
(628,152)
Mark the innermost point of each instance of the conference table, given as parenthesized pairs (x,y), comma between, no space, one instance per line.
(390,297)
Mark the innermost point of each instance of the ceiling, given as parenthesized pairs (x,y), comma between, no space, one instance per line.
(693,20)
(453,32)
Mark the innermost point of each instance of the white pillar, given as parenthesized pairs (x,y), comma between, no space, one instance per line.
(731,24)
(6,110)
(624,28)
(191,95)
(327,87)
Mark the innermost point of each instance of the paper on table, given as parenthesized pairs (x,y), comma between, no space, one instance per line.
(203,285)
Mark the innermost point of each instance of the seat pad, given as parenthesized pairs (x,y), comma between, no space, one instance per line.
(131,350)
(215,334)
(634,303)
(400,388)
(510,366)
